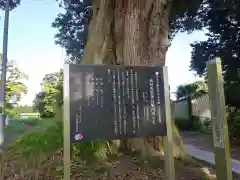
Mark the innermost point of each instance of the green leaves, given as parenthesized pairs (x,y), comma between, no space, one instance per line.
(89,151)
(185,16)
(72,28)
(12,3)
(51,96)
(72,25)
(44,144)
(222,21)
(192,90)
(15,87)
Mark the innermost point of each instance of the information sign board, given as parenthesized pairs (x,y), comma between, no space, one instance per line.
(115,102)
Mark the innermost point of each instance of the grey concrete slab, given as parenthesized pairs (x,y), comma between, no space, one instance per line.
(209,157)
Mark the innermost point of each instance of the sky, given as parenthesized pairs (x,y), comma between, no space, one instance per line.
(31,45)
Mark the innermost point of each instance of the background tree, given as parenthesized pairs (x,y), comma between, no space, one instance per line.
(15,87)
(73,28)
(223,41)
(192,90)
(38,102)
(12,4)
(51,96)
(138,32)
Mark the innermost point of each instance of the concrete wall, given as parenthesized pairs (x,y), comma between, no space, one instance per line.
(200,108)
(181,109)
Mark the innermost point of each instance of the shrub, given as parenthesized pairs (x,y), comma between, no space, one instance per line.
(234,125)
(183,124)
(207,122)
(38,146)
(89,151)
(48,114)
(40,143)
(196,123)
(30,122)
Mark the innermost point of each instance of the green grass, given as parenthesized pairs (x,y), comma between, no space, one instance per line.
(17,128)
(43,141)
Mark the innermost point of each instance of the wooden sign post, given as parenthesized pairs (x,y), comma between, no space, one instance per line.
(66,124)
(127,101)
(168,139)
(219,120)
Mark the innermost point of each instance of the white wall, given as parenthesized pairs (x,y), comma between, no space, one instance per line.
(181,110)
(200,108)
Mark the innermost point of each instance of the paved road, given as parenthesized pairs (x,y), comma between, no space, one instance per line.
(209,157)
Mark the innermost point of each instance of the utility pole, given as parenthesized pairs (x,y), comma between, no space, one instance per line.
(4,75)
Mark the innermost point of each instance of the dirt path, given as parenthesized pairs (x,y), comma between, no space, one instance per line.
(205,142)
(124,167)
(129,168)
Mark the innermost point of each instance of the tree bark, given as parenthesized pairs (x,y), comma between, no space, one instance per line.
(132,32)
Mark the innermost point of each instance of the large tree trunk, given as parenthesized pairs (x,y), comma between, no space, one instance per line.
(131,32)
